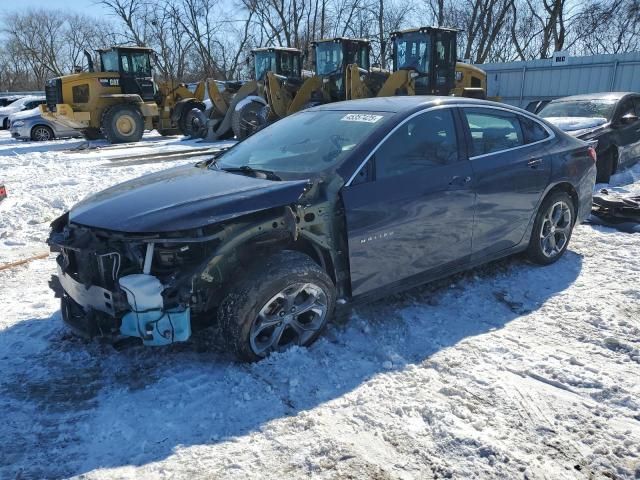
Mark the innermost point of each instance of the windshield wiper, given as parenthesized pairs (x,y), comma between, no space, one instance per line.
(246,169)
(211,161)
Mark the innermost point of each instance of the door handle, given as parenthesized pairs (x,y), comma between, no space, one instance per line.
(534,163)
(458,180)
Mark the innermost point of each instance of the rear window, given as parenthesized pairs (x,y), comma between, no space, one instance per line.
(579,108)
(532,130)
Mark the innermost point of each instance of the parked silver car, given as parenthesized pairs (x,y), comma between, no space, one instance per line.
(30,125)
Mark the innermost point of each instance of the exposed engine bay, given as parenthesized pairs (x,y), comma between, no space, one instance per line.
(159,287)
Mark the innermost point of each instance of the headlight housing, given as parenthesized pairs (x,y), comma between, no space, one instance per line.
(18,123)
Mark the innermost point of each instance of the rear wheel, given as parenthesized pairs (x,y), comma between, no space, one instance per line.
(552,229)
(283,301)
(41,133)
(122,124)
(246,120)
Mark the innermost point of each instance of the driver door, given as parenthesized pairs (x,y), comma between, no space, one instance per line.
(410,209)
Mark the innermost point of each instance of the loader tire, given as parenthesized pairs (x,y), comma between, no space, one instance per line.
(246,120)
(123,124)
(189,119)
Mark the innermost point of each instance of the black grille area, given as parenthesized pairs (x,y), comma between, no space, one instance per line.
(53,93)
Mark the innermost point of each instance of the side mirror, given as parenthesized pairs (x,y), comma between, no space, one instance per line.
(628,119)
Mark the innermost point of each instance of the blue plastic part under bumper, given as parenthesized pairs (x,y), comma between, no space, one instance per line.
(158,327)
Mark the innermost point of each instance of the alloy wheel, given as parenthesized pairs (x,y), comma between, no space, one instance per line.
(291,317)
(41,134)
(556,229)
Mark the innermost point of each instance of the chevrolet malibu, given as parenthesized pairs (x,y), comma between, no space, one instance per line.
(337,204)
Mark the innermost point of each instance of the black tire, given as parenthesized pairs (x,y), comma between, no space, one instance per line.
(187,116)
(542,229)
(42,133)
(246,120)
(607,165)
(256,290)
(194,123)
(123,124)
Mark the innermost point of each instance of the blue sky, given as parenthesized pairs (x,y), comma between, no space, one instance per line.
(75,6)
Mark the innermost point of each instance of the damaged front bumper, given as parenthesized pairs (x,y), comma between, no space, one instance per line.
(116,296)
(90,311)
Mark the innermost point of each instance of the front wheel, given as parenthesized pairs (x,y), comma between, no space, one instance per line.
(41,133)
(246,120)
(123,124)
(552,229)
(284,301)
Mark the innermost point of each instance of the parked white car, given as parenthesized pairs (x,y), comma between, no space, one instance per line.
(25,103)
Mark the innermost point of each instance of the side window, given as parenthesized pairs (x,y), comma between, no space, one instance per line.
(124,60)
(493,130)
(532,131)
(426,141)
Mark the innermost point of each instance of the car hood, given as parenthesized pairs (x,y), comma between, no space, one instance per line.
(182,198)
(34,112)
(577,125)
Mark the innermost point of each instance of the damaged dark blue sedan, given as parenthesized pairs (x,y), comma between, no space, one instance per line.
(336,204)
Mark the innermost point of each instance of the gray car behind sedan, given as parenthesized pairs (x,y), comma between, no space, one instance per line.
(32,126)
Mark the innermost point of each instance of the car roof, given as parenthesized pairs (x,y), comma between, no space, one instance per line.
(595,96)
(407,103)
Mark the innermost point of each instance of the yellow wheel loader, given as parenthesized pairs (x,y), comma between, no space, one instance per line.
(424,63)
(278,77)
(287,92)
(117,101)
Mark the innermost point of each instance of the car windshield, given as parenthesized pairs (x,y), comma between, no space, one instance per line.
(579,108)
(328,57)
(307,142)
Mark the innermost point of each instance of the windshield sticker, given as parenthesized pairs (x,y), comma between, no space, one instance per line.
(361,117)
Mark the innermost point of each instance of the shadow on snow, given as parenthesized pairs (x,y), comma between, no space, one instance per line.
(72,407)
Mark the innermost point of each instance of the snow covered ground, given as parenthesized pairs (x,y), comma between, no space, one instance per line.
(508,371)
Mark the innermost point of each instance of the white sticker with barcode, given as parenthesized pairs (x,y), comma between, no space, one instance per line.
(361,117)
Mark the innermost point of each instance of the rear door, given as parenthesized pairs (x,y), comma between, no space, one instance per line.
(511,167)
(410,209)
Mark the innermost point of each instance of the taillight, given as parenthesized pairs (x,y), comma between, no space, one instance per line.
(592,154)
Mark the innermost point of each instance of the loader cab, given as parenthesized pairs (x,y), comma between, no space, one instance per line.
(332,57)
(286,62)
(133,64)
(430,52)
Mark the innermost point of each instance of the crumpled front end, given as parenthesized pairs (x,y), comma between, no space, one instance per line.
(114,285)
